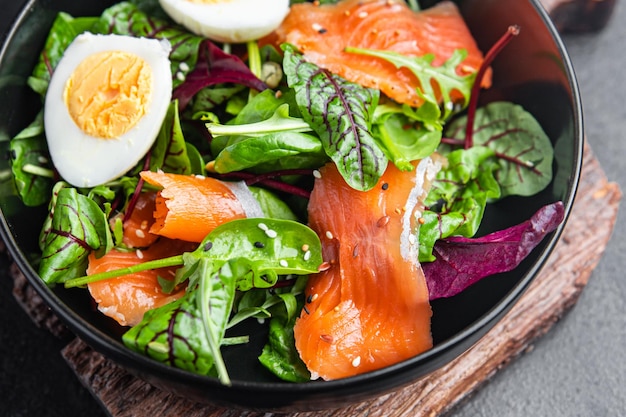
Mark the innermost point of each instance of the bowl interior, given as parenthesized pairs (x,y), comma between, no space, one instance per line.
(533,71)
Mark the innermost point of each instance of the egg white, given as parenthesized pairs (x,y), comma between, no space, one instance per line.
(84,160)
(229,21)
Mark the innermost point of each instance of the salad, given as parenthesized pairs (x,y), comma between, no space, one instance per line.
(311,166)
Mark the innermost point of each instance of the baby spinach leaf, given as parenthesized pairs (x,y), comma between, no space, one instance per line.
(404,141)
(271,247)
(78,227)
(523,151)
(279,355)
(30,165)
(444,76)
(254,151)
(280,121)
(271,205)
(341,113)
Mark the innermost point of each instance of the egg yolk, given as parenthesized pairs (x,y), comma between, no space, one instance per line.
(108,93)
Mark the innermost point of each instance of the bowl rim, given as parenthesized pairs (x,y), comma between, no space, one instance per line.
(127,358)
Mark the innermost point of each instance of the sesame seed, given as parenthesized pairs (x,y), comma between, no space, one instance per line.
(180,76)
(355,251)
(329,234)
(283,263)
(259,245)
(263,226)
(139,254)
(144,225)
(327,338)
(309,299)
(307,255)
(356,361)
(183,66)
(271,233)
(208,246)
(385,186)
(336,309)
(318,28)
(382,222)
(200,177)
(305,247)
(314,297)
(421,220)
(42,159)
(317,174)
(325,266)
(363,14)
(140,234)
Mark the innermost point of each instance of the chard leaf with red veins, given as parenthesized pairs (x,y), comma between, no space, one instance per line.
(341,113)
(461,262)
(522,148)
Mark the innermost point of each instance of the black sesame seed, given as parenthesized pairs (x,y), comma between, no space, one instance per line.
(259,245)
(385,186)
(208,246)
(322,31)
(306,310)
(309,299)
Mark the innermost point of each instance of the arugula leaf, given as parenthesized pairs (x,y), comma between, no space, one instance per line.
(445,77)
(78,227)
(522,148)
(341,113)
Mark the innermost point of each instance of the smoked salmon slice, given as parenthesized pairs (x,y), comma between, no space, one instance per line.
(127,298)
(189,206)
(322,32)
(137,226)
(370,308)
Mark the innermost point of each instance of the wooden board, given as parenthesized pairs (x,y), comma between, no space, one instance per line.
(551,295)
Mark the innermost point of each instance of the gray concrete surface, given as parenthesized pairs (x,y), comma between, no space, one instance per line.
(579,368)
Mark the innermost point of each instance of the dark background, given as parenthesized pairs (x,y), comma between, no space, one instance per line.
(577,369)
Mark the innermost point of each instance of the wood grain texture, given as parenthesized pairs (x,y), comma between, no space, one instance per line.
(551,295)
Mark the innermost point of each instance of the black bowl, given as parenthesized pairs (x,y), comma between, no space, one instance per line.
(533,71)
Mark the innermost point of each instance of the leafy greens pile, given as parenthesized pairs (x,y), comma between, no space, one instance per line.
(260,136)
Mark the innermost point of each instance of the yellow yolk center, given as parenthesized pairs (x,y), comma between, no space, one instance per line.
(108,93)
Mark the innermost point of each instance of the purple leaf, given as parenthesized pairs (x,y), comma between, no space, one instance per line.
(215,66)
(462,261)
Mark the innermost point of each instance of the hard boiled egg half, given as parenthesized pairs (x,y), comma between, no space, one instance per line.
(229,21)
(105,105)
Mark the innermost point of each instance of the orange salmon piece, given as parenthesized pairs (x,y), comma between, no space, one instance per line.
(370,308)
(322,32)
(189,207)
(137,226)
(128,297)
